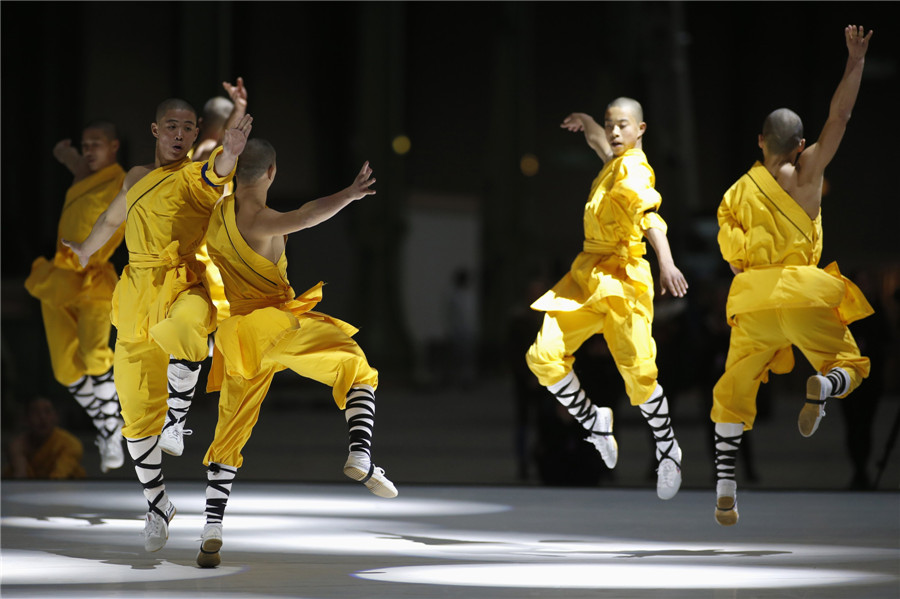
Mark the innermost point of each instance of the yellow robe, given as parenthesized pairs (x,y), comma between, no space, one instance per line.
(609,287)
(75,300)
(213,279)
(781,298)
(58,458)
(161,306)
(270,330)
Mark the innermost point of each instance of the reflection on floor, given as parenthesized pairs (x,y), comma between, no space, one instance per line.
(82,539)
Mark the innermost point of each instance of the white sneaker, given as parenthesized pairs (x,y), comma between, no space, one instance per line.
(359,467)
(156,529)
(668,475)
(210,543)
(601,437)
(171,440)
(111,454)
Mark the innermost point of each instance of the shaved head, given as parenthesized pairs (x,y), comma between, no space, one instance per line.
(782,131)
(173,104)
(255,160)
(216,111)
(108,129)
(632,106)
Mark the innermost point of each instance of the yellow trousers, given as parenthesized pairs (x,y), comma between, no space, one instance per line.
(317,350)
(141,367)
(628,335)
(761,342)
(78,338)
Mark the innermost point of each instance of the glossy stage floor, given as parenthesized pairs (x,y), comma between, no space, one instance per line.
(328,541)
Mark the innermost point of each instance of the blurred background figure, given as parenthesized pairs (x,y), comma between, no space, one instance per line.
(462,330)
(873,335)
(43,450)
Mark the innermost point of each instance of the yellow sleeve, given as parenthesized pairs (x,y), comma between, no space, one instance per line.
(732,236)
(636,184)
(208,171)
(652,220)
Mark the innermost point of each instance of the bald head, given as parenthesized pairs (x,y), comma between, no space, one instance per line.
(255,160)
(173,104)
(633,107)
(216,111)
(782,132)
(107,128)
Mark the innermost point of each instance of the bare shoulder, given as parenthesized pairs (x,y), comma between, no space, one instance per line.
(803,186)
(136,173)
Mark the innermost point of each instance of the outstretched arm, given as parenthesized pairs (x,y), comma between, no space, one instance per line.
(594,133)
(107,224)
(813,161)
(232,145)
(238,95)
(70,158)
(670,278)
(270,222)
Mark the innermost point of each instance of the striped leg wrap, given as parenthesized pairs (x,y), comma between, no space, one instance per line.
(840,382)
(107,401)
(728,440)
(656,411)
(360,414)
(147,458)
(103,410)
(569,393)
(219,478)
(182,376)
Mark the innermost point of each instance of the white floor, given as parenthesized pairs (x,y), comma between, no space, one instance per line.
(328,541)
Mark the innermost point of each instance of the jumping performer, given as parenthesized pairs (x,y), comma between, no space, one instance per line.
(609,290)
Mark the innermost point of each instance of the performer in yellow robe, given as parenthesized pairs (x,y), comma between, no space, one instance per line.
(44,451)
(270,330)
(161,309)
(219,115)
(770,233)
(75,300)
(609,291)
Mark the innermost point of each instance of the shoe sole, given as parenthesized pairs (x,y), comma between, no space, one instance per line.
(170,450)
(726,511)
(808,420)
(209,557)
(372,485)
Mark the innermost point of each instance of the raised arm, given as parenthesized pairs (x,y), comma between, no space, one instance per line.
(594,133)
(232,145)
(670,278)
(238,95)
(813,161)
(269,223)
(71,158)
(108,222)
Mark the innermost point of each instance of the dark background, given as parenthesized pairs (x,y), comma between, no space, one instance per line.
(476,86)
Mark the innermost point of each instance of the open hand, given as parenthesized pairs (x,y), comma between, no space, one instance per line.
(573,122)
(237,93)
(236,137)
(362,184)
(83,258)
(857,40)
(671,280)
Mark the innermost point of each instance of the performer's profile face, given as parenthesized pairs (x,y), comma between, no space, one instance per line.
(98,150)
(623,132)
(175,133)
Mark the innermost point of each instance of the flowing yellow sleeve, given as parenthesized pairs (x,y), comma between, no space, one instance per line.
(732,236)
(636,183)
(652,220)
